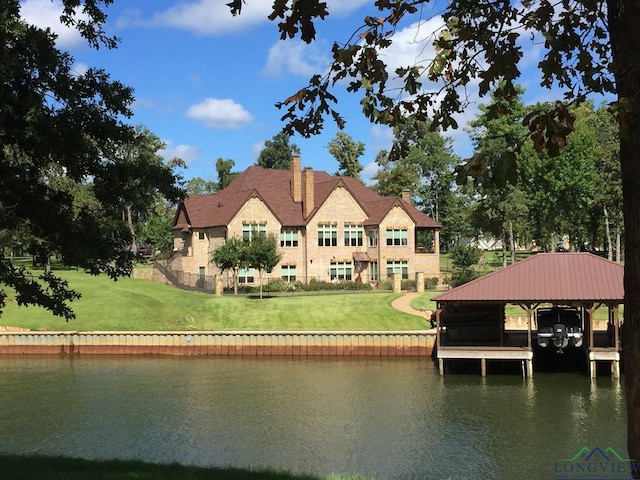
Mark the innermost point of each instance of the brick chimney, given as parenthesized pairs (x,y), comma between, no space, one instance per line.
(307,192)
(296,182)
(406,196)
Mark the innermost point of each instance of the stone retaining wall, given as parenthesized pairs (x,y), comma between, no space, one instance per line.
(410,343)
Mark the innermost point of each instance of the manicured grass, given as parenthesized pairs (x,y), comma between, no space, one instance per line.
(131,304)
(424,302)
(15,467)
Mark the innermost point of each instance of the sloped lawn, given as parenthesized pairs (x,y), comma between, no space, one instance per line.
(130,304)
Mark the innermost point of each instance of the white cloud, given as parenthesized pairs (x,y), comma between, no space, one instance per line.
(80,68)
(144,103)
(256,148)
(216,113)
(368,172)
(413,46)
(297,58)
(345,7)
(213,17)
(381,135)
(188,153)
(46,13)
(205,17)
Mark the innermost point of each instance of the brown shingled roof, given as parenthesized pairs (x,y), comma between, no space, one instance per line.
(274,188)
(546,277)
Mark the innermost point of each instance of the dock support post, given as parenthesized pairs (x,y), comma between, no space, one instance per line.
(615,369)
(529,367)
(441,366)
(483,366)
(592,368)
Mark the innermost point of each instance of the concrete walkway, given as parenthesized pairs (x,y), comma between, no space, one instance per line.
(403,304)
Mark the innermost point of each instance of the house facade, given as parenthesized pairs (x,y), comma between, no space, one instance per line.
(330,228)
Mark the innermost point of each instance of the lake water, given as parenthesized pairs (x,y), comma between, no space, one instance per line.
(387,418)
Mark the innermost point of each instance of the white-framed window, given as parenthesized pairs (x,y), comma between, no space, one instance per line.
(202,236)
(398,266)
(246,275)
(288,273)
(327,235)
(353,235)
(373,271)
(373,238)
(397,236)
(340,271)
(250,229)
(288,237)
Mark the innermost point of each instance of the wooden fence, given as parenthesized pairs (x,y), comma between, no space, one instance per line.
(301,343)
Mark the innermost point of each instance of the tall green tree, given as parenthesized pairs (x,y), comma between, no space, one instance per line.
(200,186)
(463,259)
(63,180)
(560,190)
(393,177)
(225,173)
(347,152)
(586,47)
(277,152)
(500,211)
(230,257)
(426,169)
(134,156)
(608,179)
(262,253)
(156,230)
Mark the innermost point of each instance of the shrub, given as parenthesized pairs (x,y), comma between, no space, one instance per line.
(276,285)
(408,284)
(431,283)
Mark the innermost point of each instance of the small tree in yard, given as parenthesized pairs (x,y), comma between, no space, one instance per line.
(262,254)
(463,258)
(230,256)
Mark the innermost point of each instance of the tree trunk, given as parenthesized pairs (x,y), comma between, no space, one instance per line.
(512,243)
(134,246)
(618,249)
(624,18)
(504,250)
(607,232)
(235,281)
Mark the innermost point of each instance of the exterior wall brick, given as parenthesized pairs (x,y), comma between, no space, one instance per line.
(311,260)
(340,208)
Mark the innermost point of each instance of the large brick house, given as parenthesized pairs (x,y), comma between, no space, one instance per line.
(330,228)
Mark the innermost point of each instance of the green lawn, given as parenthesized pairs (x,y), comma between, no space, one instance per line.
(425,302)
(131,304)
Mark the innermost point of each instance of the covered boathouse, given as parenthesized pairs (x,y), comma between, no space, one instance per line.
(471,321)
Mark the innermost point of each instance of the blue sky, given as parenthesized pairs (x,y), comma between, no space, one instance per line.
(206,82)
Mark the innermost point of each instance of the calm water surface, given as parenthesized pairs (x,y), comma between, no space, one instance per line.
(384,418)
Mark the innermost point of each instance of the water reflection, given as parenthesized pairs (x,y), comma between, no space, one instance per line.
(388,418)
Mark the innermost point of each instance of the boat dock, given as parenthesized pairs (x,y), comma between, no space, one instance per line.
(470,319)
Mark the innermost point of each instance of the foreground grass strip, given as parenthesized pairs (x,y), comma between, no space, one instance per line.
(14,467)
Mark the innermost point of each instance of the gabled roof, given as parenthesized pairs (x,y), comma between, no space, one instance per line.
(274,188)
(546,278)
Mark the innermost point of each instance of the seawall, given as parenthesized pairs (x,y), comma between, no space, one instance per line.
(300,343)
